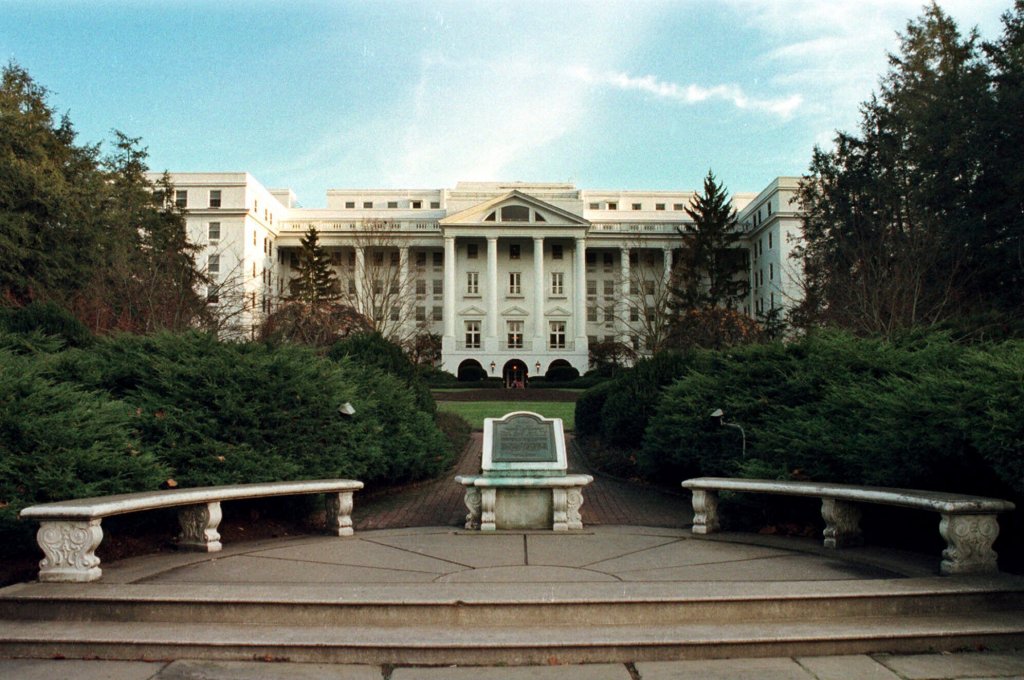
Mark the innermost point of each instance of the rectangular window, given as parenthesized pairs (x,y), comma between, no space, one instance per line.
(472,283)
(438,259)
(472,335)
(335,258)
(659,206)
(677,206)
(634,314)
(637,206)
(556,338)
(514,283)
(378,288)
(421,286)
(215,198)
(515,334)
(378,259)
(472,251)
(648,287)
(556,252)
(367,204)
(350,204)
(592,313)
(214,231)
(416,205)
(607,259)
(513,251)
(594,206)
(392,204)
(769,240)
(421,259)
(213,265)
(436,313)
(351,286)
(435,205)
(613,206)
(591,258)
(181,198)
(771,271)
(293,260)
(557,283)
(438,286)
(591,288)
(394,258)
(393,315)
(421,313)
(609,288)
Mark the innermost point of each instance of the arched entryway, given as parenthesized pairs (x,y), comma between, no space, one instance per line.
(470,370)
(515,374)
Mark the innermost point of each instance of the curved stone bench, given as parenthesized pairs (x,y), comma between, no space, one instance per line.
(70,531)
(563,492)
(968,524)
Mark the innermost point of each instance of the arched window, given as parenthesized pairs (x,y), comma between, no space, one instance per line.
(515,213)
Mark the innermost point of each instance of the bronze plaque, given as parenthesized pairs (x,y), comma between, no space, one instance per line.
(524,439)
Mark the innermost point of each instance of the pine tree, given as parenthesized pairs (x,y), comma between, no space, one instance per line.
(706,271)
(316,282)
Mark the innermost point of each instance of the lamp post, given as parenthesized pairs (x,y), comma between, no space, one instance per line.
(717,413)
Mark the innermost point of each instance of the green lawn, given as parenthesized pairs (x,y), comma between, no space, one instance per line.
(476,411)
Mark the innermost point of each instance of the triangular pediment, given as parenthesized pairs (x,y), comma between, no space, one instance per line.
(472,311)
(557,311)
(514,209)
(515,311)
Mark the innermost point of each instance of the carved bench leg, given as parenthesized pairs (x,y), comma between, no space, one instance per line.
(488,497)
(574,501)
(339,513)
(705,512)
(842,524)
(969,540)
(199,527)
(559,505)
(69,548)
(472,501)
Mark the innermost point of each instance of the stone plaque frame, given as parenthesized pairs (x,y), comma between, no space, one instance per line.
(556,466)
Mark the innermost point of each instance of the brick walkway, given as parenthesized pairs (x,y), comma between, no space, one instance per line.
(439,502)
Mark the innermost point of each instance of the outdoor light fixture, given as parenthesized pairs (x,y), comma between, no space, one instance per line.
(492,366)
(538,367)
(717,413)
(346,409)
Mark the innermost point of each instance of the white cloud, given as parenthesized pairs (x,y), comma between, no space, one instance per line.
(693,93)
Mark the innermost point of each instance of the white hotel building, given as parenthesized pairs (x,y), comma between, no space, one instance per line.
(516,277)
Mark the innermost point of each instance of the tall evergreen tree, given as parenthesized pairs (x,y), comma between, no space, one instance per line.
(891,215)
(316,282)
(708,265)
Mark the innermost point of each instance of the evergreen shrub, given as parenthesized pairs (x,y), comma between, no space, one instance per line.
(588,410)
(471,373)
(59,440)
(373,349)
(224,413)
(47,318)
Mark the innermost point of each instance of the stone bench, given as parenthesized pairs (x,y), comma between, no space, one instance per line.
(543,502)
(70,531)
(968,523)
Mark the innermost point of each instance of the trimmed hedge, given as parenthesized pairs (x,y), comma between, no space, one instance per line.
(59,440)
(923,413)
(222,413)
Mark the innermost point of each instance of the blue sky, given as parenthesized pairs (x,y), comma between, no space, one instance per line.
(615,95)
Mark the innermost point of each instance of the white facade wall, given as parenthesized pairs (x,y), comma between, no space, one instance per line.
(604,238)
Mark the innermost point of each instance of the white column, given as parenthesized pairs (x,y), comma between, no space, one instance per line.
(492,291)
(538,294)
(449,287)
(625,292)
(360,275)
(579,307)
(405,296)
(666,254)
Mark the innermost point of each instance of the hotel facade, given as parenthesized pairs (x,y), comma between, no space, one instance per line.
(515,278)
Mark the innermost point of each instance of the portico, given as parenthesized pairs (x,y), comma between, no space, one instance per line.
(524,303)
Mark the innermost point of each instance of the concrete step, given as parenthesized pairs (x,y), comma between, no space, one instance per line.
(521,604)
(545,644)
